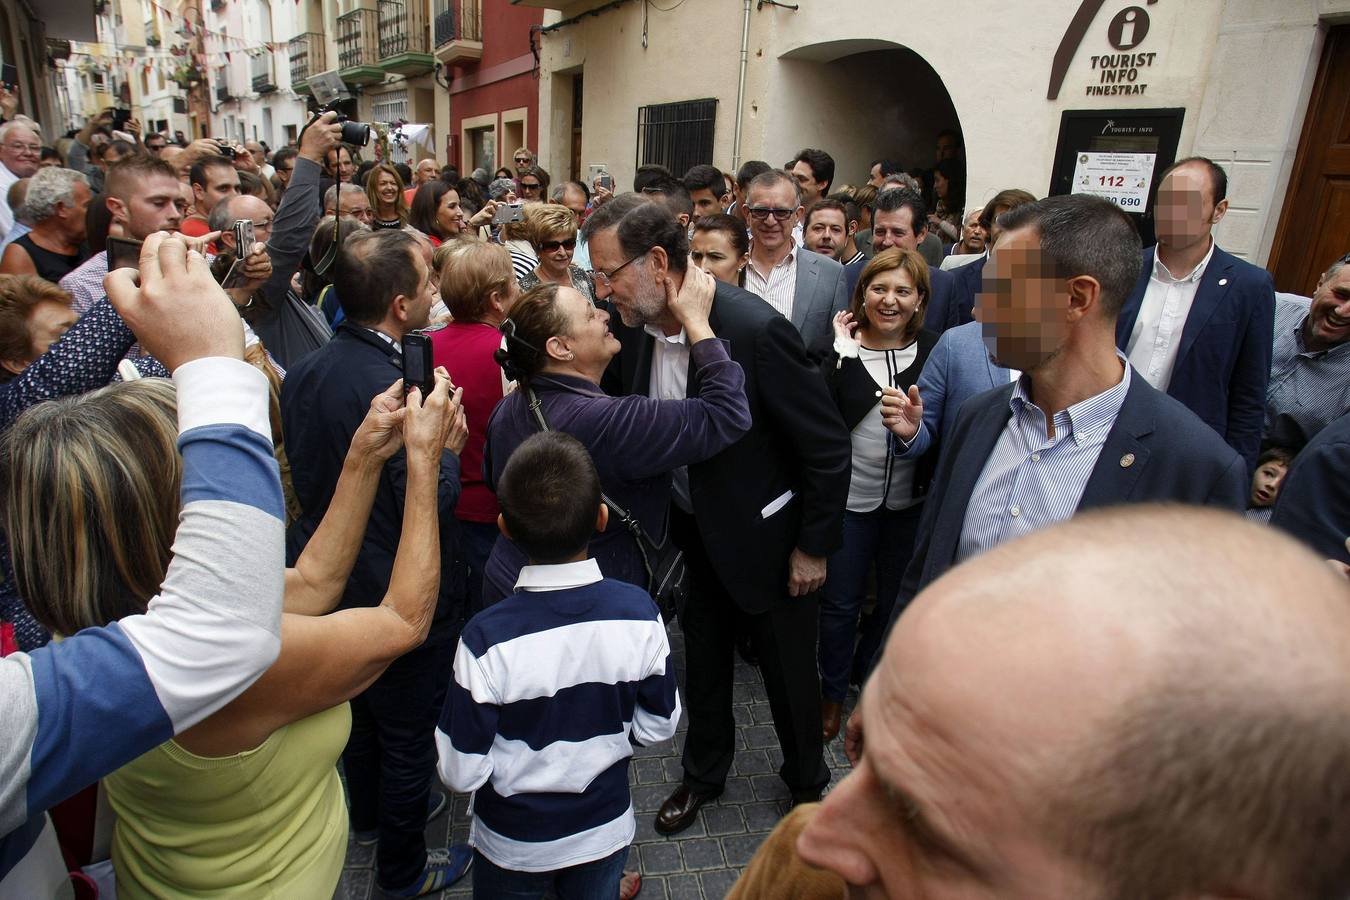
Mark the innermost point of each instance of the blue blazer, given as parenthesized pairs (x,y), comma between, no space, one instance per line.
(1314,502)
(966,285)
(942,312)
(958,368)
(1176,460)
(1223,363)
(851,273)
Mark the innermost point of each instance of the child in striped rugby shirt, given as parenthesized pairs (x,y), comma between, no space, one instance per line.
(552,686)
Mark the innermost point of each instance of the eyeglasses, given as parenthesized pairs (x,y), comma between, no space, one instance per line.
(607,278)
(530,185)
(569,245)
(32,149)
(763,212)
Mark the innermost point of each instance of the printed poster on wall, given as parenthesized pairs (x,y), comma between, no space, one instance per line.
(1122,178)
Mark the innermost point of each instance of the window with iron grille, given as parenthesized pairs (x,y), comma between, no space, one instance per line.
(390,107)
(676,135)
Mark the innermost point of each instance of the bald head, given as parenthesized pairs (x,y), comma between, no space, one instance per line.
(1142,702)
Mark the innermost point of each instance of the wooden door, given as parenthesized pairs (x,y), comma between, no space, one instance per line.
(1315,224)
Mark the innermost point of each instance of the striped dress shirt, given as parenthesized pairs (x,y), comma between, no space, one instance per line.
(778,287)
(1308,389)
(1031,481)
(549,686)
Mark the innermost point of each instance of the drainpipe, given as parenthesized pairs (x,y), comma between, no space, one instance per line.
(740,90)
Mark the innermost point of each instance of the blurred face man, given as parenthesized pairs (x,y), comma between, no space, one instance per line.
(1022,304)
(155,144)
(222,182)
(343,168)
(826,233)
(255,150)
(947,147)
(20,150)
(896,229)
(523,159)
(249,207)
(426,171)
(773,210)
(805,177)
(354,204)
(1186,212)
(1328,322)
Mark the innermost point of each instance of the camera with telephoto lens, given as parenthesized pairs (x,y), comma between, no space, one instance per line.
(357,134)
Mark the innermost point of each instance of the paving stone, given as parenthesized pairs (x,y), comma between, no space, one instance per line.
(769,787)
(649,797)
(674,768)
(737,790)
(655,887)
(661,859)
(723,819)
(752,762)
(717,883)
(763,816)
(649,771)
(355,884)
(680,887)
(758,737)
(738,848)
(702,853)
(742,715)
(358,856)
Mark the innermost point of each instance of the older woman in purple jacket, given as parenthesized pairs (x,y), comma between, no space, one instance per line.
(559,344)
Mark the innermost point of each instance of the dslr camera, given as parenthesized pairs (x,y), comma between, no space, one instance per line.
(357,134)
(329,94)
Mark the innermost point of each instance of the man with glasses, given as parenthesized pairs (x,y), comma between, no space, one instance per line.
(20,156)
(775,497)
(523,158)
(805,287)
(154,143)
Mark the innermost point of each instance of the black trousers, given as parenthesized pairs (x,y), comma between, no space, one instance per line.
(784,638)
(391,754)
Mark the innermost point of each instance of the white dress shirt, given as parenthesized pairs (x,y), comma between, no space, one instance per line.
(1156,336)
(778,286)
(7,178)
(670,381)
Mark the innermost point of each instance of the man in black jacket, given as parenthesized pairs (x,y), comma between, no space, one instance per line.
(756,521)
(387,293)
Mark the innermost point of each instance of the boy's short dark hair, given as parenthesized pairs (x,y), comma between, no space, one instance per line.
(1277,455)
(549,493)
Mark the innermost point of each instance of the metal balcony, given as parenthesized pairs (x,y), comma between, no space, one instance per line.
(358,47)
(403,37)
(459,32)
(260,68)
(308,57)
(223,93)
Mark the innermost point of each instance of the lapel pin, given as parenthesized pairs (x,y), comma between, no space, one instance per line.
(1222,282)
(1127,460)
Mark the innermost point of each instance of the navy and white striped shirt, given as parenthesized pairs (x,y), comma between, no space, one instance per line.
(1031,481)
(1308,389)
(549,685)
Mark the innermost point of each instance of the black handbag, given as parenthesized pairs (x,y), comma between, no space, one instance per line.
(668,579)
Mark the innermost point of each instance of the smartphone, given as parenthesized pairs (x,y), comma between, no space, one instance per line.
(120,119)
(9,75)
(417,364)
(243,236)
(601,172)
(123,253)
(508,212)
(607,181)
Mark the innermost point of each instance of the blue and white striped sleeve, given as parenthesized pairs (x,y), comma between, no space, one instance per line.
(81,708)
(657,713)
(468,725)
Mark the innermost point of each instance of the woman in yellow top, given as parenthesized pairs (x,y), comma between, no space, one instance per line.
(248,802)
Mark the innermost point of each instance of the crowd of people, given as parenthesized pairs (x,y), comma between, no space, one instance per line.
(1058,506)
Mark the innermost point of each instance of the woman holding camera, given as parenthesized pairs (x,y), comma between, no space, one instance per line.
(384,189)
(558,345)
(879,342)
(553,234)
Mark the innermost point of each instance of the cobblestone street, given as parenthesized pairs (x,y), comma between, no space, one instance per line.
(701,862)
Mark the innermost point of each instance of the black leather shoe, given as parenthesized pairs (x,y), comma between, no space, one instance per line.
(680,810)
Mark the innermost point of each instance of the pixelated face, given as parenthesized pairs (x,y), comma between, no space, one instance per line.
(1185,212)
(827,233)
(1022,304)
(1329,317)
(1266,483)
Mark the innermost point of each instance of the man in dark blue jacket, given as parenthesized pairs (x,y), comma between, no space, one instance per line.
(387,293)
(1080,428)
(1200,323)
(1314,503)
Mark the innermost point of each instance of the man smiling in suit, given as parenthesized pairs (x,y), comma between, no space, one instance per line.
(1200,323)
(807,288)
(1079,428)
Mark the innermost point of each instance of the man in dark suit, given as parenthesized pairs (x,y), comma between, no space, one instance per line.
(900,219)
(967,277)
(756,521)
(1314,502)
(1079,429)
(386,293)
(1200,323)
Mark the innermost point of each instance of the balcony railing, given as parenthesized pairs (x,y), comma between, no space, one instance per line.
(260,68)
(403,27)
(459,31)
(357,39)
(307,56)
(222,93)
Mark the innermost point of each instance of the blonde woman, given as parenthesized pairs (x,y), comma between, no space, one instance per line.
(384,189)
(255,782)
(552,229)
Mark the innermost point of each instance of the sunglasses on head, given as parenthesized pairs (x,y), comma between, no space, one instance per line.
(550,246)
